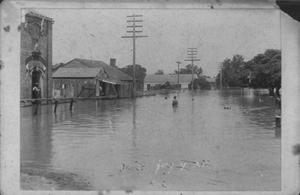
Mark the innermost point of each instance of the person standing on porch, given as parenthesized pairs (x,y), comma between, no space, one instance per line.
(36,92)
(100,90)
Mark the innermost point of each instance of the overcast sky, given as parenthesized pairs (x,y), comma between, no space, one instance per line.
(218,34)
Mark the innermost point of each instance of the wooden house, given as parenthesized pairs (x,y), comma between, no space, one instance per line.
(90,78)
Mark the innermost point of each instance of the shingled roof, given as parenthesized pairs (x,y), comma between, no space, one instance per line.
(84,68)
(76,73)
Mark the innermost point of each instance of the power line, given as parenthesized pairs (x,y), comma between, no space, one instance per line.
(134,23)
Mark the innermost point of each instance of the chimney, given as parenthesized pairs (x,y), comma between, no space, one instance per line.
(113,61)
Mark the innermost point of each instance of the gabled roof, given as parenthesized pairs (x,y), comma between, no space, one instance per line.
(56,66)
(85,67)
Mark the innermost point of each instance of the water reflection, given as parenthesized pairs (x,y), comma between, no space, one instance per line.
(278,132)
(98,137)
(36,133)
(134,123)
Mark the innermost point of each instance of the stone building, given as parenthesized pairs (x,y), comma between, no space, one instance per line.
(36,55)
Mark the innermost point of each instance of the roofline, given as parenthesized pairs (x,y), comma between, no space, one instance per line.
(79,59)
(73,77)
(69,62)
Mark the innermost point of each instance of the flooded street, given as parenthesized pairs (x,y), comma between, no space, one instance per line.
(220,141)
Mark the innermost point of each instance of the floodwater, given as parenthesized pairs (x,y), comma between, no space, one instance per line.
(219,141)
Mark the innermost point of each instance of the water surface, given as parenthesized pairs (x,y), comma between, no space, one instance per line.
(219,141)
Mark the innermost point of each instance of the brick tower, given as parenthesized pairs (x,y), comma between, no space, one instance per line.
(36,55)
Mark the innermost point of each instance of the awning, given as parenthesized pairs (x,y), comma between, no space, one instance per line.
(109,81)
(113,82)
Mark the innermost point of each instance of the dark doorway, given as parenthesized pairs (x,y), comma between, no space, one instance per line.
(118,90)
(35,83)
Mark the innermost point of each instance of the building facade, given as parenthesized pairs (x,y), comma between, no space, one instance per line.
(90,78)
(154,81)
(36,56)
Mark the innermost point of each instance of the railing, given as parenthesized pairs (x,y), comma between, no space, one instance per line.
(30,102)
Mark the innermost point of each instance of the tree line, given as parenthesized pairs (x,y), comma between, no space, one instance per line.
(262,71)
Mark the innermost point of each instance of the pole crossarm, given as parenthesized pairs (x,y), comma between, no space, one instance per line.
(136,36)
(137,31)
(134,20)
(192,57)
(135,26)
(134,16)
(193,60)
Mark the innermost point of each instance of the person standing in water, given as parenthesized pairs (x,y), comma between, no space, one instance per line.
(175,102)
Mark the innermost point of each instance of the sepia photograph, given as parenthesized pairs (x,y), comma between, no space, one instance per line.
(153,98)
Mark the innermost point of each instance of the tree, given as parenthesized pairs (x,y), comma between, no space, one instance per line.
(188,70)
(232,71)
(159,72)
(266,70)
(262,71)
(201,83)
(140,72)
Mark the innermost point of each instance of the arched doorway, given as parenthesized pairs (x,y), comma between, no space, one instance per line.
(36,69)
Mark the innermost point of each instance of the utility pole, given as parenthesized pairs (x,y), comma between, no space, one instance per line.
(221,75)
(178,63)
(133,28)
(192,53)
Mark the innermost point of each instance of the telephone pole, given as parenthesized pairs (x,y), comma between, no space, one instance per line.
(133,28)
(178,63)
(221,75)
(192,54)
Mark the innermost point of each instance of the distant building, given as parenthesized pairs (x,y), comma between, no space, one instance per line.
(212,82)
(36,55)
(89,78)
(153,80)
